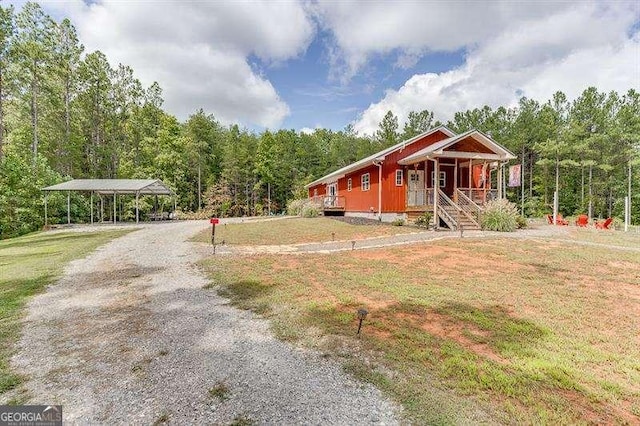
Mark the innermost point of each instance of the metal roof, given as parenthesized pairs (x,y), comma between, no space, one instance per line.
(378,156)
(114,186)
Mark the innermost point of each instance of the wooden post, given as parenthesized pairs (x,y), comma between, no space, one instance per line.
(92,207)
(46,217)
(68,207)
(470,177)
(137,209)
(101,209)
(499,181)
(455,181)
(114,208)
(436,188)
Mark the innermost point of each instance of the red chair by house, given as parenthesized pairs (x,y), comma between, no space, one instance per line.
(605,224)
(559,220)
(582,221)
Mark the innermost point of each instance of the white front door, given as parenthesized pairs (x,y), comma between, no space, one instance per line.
(416,188)
(332,192)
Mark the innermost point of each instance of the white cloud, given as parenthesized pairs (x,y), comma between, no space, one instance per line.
(587,45)
(362,30)
(198,51)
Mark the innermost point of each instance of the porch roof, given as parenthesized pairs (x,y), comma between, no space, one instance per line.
(438,150)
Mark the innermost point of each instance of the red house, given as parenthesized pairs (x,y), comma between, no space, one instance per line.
(398,182)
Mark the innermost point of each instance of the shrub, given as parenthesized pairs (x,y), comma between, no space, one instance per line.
(500,215)
(310,210)
(398,222)
(294,208)
(521,222)
(424,220)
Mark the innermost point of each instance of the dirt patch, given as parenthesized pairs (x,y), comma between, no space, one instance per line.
(461,261)
(358,220)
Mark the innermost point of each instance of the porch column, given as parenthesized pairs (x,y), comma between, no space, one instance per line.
(455,181)
(68,208)
(470,176)
(114,208)
(92,207)
(499,182)
(101,209)
(137,210)
(436,187)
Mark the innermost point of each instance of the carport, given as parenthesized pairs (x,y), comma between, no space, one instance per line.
(113,187)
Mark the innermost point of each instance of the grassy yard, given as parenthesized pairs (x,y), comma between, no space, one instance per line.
(27,265)
(297,230)
(521,331)
(606,237)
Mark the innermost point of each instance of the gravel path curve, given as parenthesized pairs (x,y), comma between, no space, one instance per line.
(128,335)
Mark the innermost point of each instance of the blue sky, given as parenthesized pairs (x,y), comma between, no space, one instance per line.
(316,100)
(302,64)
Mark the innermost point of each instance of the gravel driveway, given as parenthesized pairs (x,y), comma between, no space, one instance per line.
(128,335)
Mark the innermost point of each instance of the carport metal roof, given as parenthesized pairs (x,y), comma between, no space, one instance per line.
(114,186)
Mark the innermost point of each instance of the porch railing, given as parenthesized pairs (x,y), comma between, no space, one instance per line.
(419,197)
(330,201)
(479,195)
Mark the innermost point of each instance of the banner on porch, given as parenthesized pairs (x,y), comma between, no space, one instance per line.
(514,175)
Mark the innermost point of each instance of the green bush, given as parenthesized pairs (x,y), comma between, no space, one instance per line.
(294,208)
(310,210)
(521,222)
(424,220)
(398,222)
(500,215)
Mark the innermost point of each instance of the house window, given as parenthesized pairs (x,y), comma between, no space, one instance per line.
(365,181)
(349,184)
(399,178)
(443,179)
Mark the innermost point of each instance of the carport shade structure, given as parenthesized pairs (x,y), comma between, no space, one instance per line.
(108,187)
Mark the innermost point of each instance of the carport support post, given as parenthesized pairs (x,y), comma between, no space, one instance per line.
(46,217)
(137,215)
(68,208)
(92,207)
(114,208)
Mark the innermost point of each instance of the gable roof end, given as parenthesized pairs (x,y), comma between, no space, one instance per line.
(437,149)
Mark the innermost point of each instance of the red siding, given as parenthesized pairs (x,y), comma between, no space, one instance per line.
(393,197)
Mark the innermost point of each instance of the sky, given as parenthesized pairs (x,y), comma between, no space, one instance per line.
(307,64)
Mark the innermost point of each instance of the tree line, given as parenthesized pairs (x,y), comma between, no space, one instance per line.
(66,112)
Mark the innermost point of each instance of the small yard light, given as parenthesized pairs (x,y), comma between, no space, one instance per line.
(353,245)
(333,236)
(461,230)
(362,314)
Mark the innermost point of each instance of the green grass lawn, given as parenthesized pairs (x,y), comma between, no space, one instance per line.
(27,265)
(297,230)
(531,331)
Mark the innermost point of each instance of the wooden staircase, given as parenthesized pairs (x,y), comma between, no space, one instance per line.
(465,213)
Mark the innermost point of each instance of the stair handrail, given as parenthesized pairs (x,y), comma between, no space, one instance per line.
(469,207)
(444,200)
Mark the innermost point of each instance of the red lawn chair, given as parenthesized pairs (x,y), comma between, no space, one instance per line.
(559,220)
(605,224)
(582,221)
